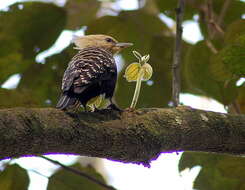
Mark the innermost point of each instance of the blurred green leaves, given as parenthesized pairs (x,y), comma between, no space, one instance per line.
(198,68)
(13,177)
(168,8)
(233,57)
(81,12)
(32,27)
(28,28)
(218,171)
(229,62)
(25,30)
(65,180)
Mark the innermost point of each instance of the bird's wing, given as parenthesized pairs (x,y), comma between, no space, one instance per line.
(68,77)
(80,74)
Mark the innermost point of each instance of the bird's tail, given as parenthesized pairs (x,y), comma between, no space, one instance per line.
(66,101)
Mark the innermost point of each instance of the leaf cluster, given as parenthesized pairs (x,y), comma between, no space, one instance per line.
(14,177)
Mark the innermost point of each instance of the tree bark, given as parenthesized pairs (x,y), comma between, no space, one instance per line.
(137,137)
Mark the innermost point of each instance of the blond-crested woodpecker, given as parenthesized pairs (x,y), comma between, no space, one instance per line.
(91,72)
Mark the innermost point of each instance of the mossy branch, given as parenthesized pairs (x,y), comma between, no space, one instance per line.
(136,137)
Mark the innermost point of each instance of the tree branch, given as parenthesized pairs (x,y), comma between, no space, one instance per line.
(177,53)
(136,137)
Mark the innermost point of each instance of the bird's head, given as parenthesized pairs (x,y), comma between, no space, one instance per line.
(101,41)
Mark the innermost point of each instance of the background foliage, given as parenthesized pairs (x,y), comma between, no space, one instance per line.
(210,67)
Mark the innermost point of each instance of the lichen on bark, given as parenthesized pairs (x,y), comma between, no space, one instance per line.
(136,137)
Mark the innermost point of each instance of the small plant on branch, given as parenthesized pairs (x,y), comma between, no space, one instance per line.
(138,71)
(95,102)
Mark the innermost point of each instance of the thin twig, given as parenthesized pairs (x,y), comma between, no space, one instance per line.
(177,54)
(77,172)
(211,46)
(36,172)
(223,11)
(210,18)
(221,17)
(212,26)
(217,28)
(214,23)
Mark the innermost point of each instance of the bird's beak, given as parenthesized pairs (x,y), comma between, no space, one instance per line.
(123,45)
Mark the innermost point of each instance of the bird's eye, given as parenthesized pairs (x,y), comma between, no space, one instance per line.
(109,40)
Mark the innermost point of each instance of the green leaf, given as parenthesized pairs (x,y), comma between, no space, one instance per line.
(198,72)
(218,171)
(95,102)
(132,72)
(147,71)
(25,30)
(218,69)
(81,12)
(234,30)
(11,64)
(233,57)
(13,177)
(212,179)
(229,63)
(11,60)
(33,26)
(65,180)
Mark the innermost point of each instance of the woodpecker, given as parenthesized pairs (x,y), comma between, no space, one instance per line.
(91,72)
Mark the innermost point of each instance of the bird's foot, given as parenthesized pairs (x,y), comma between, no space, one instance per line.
(114,107)
(97,110)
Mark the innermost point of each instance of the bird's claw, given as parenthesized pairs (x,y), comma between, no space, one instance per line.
(114,107)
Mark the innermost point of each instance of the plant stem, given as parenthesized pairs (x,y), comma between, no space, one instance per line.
(177,54)
(137,89)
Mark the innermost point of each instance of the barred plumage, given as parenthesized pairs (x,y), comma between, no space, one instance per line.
(91,72)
